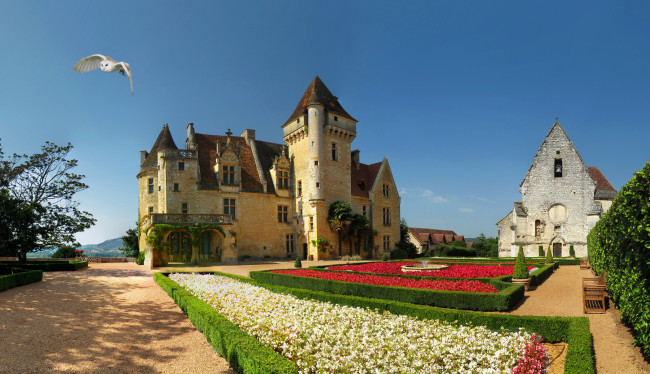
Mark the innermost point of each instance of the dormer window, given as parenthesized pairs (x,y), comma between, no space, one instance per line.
(362,186)
(557,168)
(228,176)
(283,179)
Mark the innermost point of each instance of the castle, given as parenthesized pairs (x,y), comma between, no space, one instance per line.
(561,201)
(227,198)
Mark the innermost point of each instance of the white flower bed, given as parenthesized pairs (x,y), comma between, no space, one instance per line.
(328,338)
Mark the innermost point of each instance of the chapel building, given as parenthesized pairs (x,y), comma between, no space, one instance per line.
(561,201)
(268,200)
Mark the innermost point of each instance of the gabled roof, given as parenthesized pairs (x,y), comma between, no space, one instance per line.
(318,93)
(604,189)
(164,141)
(365,177)
(250,179)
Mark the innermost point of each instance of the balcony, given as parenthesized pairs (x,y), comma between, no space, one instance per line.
(188,219)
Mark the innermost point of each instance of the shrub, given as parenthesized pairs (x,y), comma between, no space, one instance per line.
(460,252)
(65,251)
(408,247)
(493,252)
(384,257)
(619,244)
(540,251)
(572,252)
(297,263)
(549,255)
(397,254)
(140,259)
(17,277)
(521,270)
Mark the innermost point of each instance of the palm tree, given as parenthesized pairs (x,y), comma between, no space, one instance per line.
(339,217)
(359,230)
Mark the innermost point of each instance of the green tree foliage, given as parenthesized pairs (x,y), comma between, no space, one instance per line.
(339,217)
(521,269)
(131,242)
(405,248)
(65,251)
(620,244)
(486,247)
(360,232)
(37,197)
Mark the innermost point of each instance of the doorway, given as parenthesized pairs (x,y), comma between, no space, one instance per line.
(557,249)
(304,251)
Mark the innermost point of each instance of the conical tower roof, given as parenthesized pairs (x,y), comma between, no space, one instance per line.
(164,141)
(318,94)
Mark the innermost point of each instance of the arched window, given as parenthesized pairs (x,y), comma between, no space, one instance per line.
(538,228)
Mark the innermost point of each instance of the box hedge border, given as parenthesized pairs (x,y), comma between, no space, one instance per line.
(571,330)
(20,277)
(244,353)
(47,265)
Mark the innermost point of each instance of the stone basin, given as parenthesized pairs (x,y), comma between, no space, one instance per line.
(427,267)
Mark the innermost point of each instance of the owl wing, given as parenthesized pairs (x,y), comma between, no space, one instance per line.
(89,63)
(127,68)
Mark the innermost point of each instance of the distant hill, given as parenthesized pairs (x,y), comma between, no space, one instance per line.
(107,248)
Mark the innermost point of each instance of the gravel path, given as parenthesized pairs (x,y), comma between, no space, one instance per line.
(113,318)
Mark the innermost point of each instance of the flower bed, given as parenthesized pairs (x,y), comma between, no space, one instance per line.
(463,285)
(324,337)
(453,271)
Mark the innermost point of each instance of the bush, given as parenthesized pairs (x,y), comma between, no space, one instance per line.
(572,252)
(297,263)
(493,252)
(408,247)
(540,251)
(140,259)
(619,244)
(549,255)
(244,353)
(521,269)
(460,252)
(398,254)
(17,277)
(65,251)
(47,265)
(385,257)
(572,330)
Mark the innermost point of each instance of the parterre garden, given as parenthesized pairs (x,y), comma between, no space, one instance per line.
(374,318)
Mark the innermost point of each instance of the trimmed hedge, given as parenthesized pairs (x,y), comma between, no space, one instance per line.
(244,353)
(572,330)
(18,277)
(620,244)
(508,296)
(47,265)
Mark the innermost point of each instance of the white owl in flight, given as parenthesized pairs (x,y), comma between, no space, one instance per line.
(107,64)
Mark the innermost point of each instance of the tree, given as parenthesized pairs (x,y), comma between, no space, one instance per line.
(65,251)
(37,194)
(360,231)
(404,241)
(339,217)
(131,242)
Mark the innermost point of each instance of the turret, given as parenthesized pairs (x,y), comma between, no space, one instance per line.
(190,142)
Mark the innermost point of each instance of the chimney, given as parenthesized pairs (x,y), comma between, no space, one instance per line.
(143,156)
(355,158)
(190,142)
(249,135)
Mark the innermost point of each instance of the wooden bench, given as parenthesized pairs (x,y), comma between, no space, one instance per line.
(584,263)
(594,292)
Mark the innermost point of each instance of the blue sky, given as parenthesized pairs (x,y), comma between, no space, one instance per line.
(457,94)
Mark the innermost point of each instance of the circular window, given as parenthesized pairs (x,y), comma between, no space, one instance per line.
(557,213)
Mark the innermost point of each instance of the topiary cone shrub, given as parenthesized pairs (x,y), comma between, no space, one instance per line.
(297,263)
(572,252)
(521,269)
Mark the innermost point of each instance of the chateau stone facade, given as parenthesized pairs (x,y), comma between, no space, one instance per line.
(271,200)
(561,201)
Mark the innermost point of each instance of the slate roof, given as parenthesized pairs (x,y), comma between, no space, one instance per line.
(604,189)
(164,141)
(250,179)
(318,93)
(365,177)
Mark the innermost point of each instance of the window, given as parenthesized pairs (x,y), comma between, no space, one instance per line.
(176,187)
(283,179)
(316,162)
(184,208)
(229,207)
(386,215)
(181,165)
(538,227)
(385,190)
(311,223)
(150,185)
(362,186)
(334,155)
(283,212)
(291,248)
(386,243)
(317,184)
(363,210)
(228,175)
(558,168)
(150,210)
(299,188)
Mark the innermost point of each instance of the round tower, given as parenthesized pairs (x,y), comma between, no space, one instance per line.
(315,125)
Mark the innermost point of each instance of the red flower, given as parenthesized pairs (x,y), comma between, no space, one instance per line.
(453,271)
